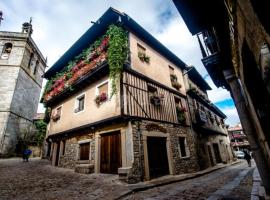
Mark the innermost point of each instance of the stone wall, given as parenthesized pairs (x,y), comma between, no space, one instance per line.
(71,152)
(180,165)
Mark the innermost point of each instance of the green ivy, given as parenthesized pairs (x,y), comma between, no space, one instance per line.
(117,53)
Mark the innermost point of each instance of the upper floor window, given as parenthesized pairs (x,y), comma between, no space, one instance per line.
(30,60)
(6,51)
(79,103)
(174,79)
(102,92)
(142,54)
(36,67)
(57,114)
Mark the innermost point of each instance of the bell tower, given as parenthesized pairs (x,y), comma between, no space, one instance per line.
(21,68)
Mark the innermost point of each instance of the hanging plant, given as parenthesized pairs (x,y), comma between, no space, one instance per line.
(180,112)
(117,54)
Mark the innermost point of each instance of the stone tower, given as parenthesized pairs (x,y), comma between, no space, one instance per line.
(21,68)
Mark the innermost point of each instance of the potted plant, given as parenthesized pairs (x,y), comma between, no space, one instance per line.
(101,98)
(156,99)
(143,57)
(176,85)
(56,117)
(181,116)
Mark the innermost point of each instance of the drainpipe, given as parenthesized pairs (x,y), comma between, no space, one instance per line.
(248,128)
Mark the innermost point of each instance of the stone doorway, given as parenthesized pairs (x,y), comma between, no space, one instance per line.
(157,156)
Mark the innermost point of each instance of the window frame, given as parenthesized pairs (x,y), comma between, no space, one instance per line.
(83,142)
(186,147)
(77,103)
(60,115)
(4,49)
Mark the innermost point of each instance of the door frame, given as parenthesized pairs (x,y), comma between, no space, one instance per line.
(98,147)
(146,134)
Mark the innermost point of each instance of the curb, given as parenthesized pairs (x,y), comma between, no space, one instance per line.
(179,179)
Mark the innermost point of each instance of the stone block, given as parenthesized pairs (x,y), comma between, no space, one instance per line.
(84,168)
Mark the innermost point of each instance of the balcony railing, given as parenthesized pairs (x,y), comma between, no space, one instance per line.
(147,99)
(208,42)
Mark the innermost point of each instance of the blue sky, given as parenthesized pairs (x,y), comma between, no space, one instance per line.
(58,25)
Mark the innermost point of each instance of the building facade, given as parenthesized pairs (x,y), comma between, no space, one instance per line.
(21,68)
(234,39)
(208,124)
(137,126)
(238,138)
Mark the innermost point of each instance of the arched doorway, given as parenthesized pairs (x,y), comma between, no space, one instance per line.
(257,90)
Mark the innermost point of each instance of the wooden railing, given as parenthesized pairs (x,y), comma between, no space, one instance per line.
(137,99)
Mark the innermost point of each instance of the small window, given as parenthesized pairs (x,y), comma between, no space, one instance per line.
(171,69)
(79,103)
(103,88)
(140,48)
(30,60)
(36,67)
(84,151)
(6,51)
(184,152)
(57,114)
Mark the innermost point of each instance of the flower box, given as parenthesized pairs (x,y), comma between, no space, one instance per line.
(101,98)
(176,85)
(181,116)
(143,57)
(156,99)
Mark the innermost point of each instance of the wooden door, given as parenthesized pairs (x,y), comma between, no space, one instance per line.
(210,155)
(84,151)
(157,156)
(57,154)
(217,153)
(110,158)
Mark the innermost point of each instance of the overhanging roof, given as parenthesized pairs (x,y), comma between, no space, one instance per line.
(112,16)
(194,75)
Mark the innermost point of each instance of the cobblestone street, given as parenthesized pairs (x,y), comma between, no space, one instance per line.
(38,180)
(234,183)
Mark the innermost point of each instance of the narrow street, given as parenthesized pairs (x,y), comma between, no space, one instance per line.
(234,182)
(38,180)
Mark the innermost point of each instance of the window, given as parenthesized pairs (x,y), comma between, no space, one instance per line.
(183,148)
(140,49)
(79,104)
(36,67)
(30,60)
(171,69)
(57,114)
(84,151)
(6,51)
(103,88)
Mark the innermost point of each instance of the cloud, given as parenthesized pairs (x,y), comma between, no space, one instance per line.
(232,115)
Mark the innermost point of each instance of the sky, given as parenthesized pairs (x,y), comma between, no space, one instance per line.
(57,24)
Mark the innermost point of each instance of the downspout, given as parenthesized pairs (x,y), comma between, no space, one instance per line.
(244,115)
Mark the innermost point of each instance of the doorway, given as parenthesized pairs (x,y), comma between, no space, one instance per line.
(111,158)
(216,152)
(157,156)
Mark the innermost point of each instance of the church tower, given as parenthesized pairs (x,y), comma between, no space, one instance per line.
(21,68)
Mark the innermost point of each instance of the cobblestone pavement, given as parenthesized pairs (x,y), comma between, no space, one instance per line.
(38,180)
(231,183)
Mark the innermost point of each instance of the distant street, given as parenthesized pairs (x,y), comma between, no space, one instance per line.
(38,180)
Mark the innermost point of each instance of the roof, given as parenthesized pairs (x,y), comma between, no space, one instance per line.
(112,16)
(195,77)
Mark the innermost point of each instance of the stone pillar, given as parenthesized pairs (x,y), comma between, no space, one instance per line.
(250,131)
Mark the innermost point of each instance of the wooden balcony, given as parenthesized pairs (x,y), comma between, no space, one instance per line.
(138,102)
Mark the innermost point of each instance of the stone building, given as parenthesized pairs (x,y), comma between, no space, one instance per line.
(238,138)
(208,123)
(234,36)
(123,115)
(21,68)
